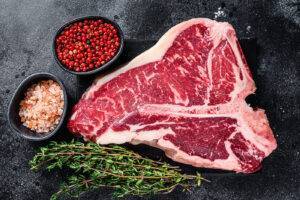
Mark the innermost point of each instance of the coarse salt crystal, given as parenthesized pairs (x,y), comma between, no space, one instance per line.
(42,106)
(219,13)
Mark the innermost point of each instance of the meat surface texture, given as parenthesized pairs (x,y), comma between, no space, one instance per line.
(186,96)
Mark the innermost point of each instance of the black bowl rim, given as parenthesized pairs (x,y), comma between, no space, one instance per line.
(103,67)
(29,79)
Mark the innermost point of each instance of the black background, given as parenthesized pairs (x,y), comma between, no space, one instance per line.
(26,32)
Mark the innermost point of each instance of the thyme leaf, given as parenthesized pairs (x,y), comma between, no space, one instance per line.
(116,167)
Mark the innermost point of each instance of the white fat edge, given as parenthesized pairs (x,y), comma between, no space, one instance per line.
(173,152)
(119,137)
(115,137)
(149,136)
(89,93)
(250,135)
(153,54)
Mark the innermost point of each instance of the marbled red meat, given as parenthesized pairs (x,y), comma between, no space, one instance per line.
(186,96)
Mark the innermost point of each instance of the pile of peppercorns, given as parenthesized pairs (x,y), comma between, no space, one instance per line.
(87,45)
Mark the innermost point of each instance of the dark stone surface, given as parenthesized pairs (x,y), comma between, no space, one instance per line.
(26,31)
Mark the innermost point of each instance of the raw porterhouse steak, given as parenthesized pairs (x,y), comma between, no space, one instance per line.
(186,96)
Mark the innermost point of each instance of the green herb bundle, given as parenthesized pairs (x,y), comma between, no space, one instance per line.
(116,167)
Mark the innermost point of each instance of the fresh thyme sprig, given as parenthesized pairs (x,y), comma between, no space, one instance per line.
(110,166)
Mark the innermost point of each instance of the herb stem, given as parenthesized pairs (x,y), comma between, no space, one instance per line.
(125,171)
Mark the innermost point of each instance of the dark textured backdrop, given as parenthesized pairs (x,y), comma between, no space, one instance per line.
(26,31)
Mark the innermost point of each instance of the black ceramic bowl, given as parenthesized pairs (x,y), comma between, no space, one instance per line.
(13,109)
(104,66)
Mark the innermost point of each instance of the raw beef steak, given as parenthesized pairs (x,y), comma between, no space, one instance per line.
(186,96)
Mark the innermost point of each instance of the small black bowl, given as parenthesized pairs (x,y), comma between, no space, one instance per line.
(13,109)
(104,66)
